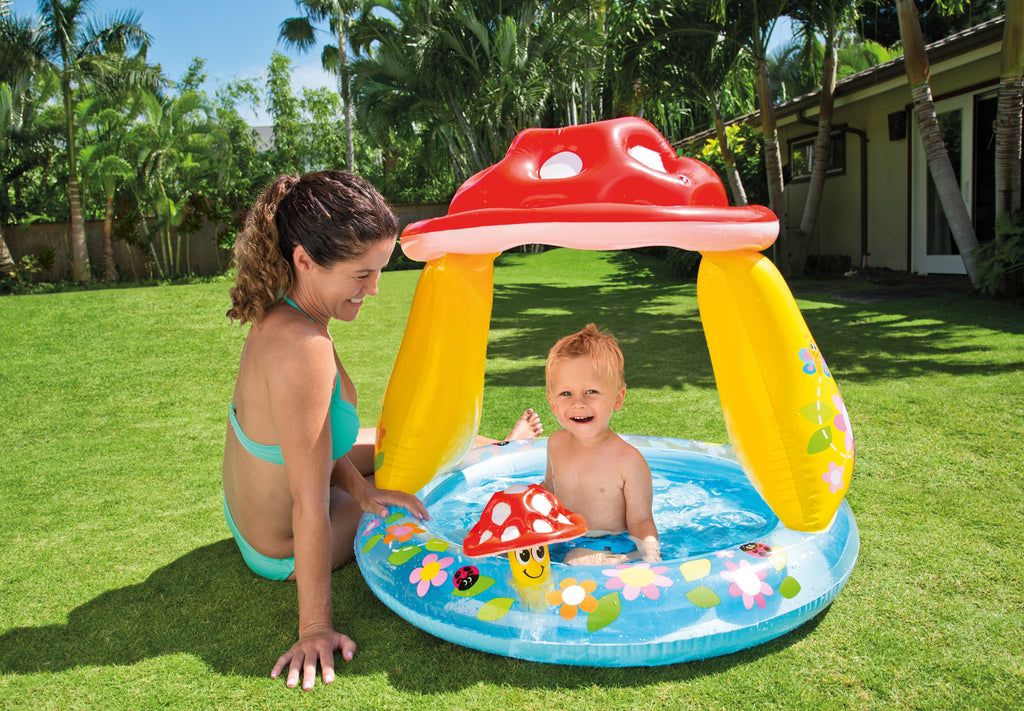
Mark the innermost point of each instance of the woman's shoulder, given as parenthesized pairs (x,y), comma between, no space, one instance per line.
(291,346)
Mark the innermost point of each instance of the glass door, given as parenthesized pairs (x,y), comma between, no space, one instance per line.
(932,247)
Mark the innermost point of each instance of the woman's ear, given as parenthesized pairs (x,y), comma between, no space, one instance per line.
(302,261)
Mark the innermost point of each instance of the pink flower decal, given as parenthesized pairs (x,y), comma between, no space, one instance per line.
(432,572)
(638,579)
(748,583)
(842,422)
(833,477)
(374,522)
(724,554)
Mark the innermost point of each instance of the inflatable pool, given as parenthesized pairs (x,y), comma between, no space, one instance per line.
(733,575)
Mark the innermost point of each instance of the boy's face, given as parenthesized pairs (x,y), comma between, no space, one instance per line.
(583,398)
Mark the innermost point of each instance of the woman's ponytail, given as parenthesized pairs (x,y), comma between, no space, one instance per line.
(263,273)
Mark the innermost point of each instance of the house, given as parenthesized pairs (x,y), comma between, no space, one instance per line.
(879,207)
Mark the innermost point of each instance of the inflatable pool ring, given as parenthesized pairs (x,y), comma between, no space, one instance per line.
(613,185)
(733,575)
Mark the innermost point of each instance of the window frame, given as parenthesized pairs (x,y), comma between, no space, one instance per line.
(808,139)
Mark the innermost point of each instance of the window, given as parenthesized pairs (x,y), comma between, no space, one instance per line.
(801,156)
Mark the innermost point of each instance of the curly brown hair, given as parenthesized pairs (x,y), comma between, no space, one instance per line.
(333,214)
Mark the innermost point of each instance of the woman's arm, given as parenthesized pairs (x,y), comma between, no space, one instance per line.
(300,385)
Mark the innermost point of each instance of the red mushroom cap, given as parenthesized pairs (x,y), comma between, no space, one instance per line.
(620,180)
(522,517)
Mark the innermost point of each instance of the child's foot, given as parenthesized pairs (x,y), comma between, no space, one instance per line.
(528,426)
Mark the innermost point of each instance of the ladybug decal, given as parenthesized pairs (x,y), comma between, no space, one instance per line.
(758,550)
(466,577)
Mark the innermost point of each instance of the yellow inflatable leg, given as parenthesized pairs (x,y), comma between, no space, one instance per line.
(432,404)
(782,407)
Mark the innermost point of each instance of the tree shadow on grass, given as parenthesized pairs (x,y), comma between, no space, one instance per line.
(656,320)
(207,604)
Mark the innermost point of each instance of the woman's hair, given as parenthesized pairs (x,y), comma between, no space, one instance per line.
(333,214)
(599,346)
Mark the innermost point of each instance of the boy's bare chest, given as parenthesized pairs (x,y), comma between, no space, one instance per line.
(585,472)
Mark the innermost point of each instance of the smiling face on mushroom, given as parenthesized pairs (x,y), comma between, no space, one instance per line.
(530,566)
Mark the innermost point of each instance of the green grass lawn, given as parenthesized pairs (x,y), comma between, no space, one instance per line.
(120,586)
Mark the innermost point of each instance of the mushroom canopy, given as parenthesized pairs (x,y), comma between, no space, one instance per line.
(522,517)
(606,185)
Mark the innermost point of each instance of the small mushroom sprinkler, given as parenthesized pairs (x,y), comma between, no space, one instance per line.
(522,521)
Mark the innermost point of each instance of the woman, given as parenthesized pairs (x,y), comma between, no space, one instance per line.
(312,249)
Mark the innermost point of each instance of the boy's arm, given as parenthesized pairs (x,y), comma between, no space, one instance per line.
(549,477)
(638,491)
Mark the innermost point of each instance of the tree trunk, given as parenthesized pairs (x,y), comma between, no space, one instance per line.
(109,270)
(739,195)
(6,260)
(345,79)
(770,136)
(1008,112)
(80,270)
(939,166)
(799,242)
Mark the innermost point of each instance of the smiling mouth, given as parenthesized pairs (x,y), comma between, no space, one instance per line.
(534,577)
(582,420)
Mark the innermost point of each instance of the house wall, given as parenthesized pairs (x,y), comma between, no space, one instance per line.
(838,227)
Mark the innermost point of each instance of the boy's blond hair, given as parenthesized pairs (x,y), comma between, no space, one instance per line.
(600,347)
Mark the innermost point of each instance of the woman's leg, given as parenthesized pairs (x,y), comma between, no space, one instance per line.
(345,515)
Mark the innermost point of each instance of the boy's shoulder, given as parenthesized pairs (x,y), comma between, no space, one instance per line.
(629,455)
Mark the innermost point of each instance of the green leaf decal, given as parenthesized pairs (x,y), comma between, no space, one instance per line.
(372,542)
(820,440)
(378,461)
(789,587)
(818,412)
(494,609)
(397,516)
(608,610)
(703,596)
(436,545)
(482,584)
(403,555)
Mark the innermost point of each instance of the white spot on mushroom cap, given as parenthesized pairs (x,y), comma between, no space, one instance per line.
(542,526)
(651,159)
(541,504)
(517,489)
(563,519)
(509,534)
(561,165)
(500,512)
(486,536)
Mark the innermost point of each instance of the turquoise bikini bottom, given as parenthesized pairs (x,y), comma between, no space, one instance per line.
(264,565)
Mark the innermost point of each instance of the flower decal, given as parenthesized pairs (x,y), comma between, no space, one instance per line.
(402,532)
(374,522)
(432,572)
(723,554)
(748,583)
(574,596)
(842,422)
(638,579)
(833,477)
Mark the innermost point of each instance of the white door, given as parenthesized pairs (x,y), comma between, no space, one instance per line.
(932,246)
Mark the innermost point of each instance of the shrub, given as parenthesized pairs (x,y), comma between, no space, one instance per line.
(1001,261)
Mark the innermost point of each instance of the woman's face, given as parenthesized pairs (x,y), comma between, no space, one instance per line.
(342,287)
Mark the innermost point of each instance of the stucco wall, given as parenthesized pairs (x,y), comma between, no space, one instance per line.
(838,227)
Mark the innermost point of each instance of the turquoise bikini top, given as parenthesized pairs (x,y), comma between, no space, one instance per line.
(344,423)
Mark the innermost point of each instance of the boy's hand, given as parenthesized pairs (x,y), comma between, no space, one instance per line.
(376,501)
(649,548)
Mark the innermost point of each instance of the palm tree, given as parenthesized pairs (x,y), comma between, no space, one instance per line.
(300,32)
(827,18)
(76,48)
(1008,112)
(947,186)
(170,135)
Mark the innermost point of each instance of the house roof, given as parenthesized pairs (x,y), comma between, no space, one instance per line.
(956,44)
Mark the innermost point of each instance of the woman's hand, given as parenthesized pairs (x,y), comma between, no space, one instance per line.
(304,654)
(376,501)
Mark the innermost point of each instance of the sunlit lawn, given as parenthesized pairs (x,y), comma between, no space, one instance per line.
(120,588)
